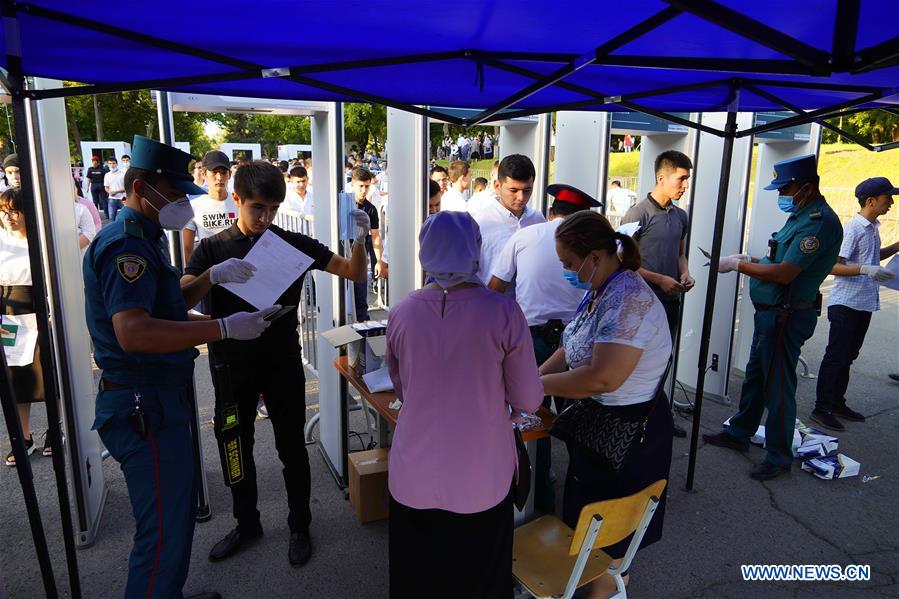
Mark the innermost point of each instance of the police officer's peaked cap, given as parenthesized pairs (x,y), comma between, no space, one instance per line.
(170,162)
(801,168)
(572,195)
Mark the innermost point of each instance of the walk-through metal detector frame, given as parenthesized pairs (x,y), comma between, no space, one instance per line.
(800,58)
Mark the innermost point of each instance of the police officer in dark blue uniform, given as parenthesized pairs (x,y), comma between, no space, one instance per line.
(144,345)
(784,292)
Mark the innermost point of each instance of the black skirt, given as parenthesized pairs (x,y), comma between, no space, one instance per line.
(440,554)
(27,381)
(647,462)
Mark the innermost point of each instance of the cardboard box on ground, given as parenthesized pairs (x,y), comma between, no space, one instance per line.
(369,495)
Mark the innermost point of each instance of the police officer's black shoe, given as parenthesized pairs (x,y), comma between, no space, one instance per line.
(300,549)
(210,595)
(233,542)
(766,471)
(723,439)
(827,420)
(848,413)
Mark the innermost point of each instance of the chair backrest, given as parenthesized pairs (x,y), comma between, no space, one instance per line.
(620,517)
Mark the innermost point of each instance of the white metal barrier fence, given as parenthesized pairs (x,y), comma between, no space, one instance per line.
(307,310)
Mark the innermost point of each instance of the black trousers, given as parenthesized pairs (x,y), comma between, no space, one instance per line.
(848,328)
(284,387)
(672,313)
(98,195)
(442,555)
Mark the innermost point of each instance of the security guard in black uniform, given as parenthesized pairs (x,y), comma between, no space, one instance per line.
(145,344)
(784,291)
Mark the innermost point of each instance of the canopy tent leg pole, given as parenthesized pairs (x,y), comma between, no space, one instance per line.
(26,478)
(730,131)
(27,149)
(166,136)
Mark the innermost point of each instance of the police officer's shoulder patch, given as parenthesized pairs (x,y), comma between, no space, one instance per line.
(809,245)
(130,266)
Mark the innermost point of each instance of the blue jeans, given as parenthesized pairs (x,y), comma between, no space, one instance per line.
(112,208)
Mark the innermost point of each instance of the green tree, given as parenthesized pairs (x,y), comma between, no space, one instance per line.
(874,126)
(125,115)
(366,126)
(266,129)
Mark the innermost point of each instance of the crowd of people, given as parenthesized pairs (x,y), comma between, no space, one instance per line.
(517,311)
(480,146)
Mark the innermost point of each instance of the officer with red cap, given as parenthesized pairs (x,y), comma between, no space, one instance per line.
(529,262)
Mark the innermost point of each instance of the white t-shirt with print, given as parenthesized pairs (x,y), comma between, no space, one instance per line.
(15,269)
(628,313)
(211,216)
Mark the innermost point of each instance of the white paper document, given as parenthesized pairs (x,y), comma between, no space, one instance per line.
(893,267)
(278,265)
(20,338)
(629,229)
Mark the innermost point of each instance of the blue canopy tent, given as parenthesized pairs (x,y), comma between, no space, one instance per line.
(816,58)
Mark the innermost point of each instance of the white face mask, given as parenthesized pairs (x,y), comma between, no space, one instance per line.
(113,168)
(125,164)
(175,215)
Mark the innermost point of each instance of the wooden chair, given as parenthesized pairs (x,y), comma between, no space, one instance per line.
(551,560)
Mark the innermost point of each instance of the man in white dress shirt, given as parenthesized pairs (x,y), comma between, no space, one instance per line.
(460,180)
(500,220)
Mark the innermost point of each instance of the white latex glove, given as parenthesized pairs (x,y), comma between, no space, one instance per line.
(729,263)
(363,224)
(244,326)
(232,270)
(878,273)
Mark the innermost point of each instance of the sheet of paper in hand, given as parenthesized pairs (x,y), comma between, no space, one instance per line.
(346,202)
(278,264)
(20,339)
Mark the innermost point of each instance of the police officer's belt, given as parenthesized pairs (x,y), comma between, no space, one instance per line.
(107,385)
(792,306)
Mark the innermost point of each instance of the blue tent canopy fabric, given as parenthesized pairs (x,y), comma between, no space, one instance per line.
(662,55)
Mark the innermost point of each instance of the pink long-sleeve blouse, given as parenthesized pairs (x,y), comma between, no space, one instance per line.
(458,365)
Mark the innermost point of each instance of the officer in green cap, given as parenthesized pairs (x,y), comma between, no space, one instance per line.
(784,292)
(144,343)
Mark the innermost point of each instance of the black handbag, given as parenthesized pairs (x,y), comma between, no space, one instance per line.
(522,487)
(607,433)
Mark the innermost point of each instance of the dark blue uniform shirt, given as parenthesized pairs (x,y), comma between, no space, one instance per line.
(126,267)
(809,239)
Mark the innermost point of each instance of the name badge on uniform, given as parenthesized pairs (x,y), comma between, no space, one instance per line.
(809,245)
(130,266)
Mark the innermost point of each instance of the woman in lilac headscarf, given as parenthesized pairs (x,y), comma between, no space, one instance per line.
(459,356)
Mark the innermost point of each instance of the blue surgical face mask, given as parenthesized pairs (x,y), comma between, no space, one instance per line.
(574,279)
(785,203)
